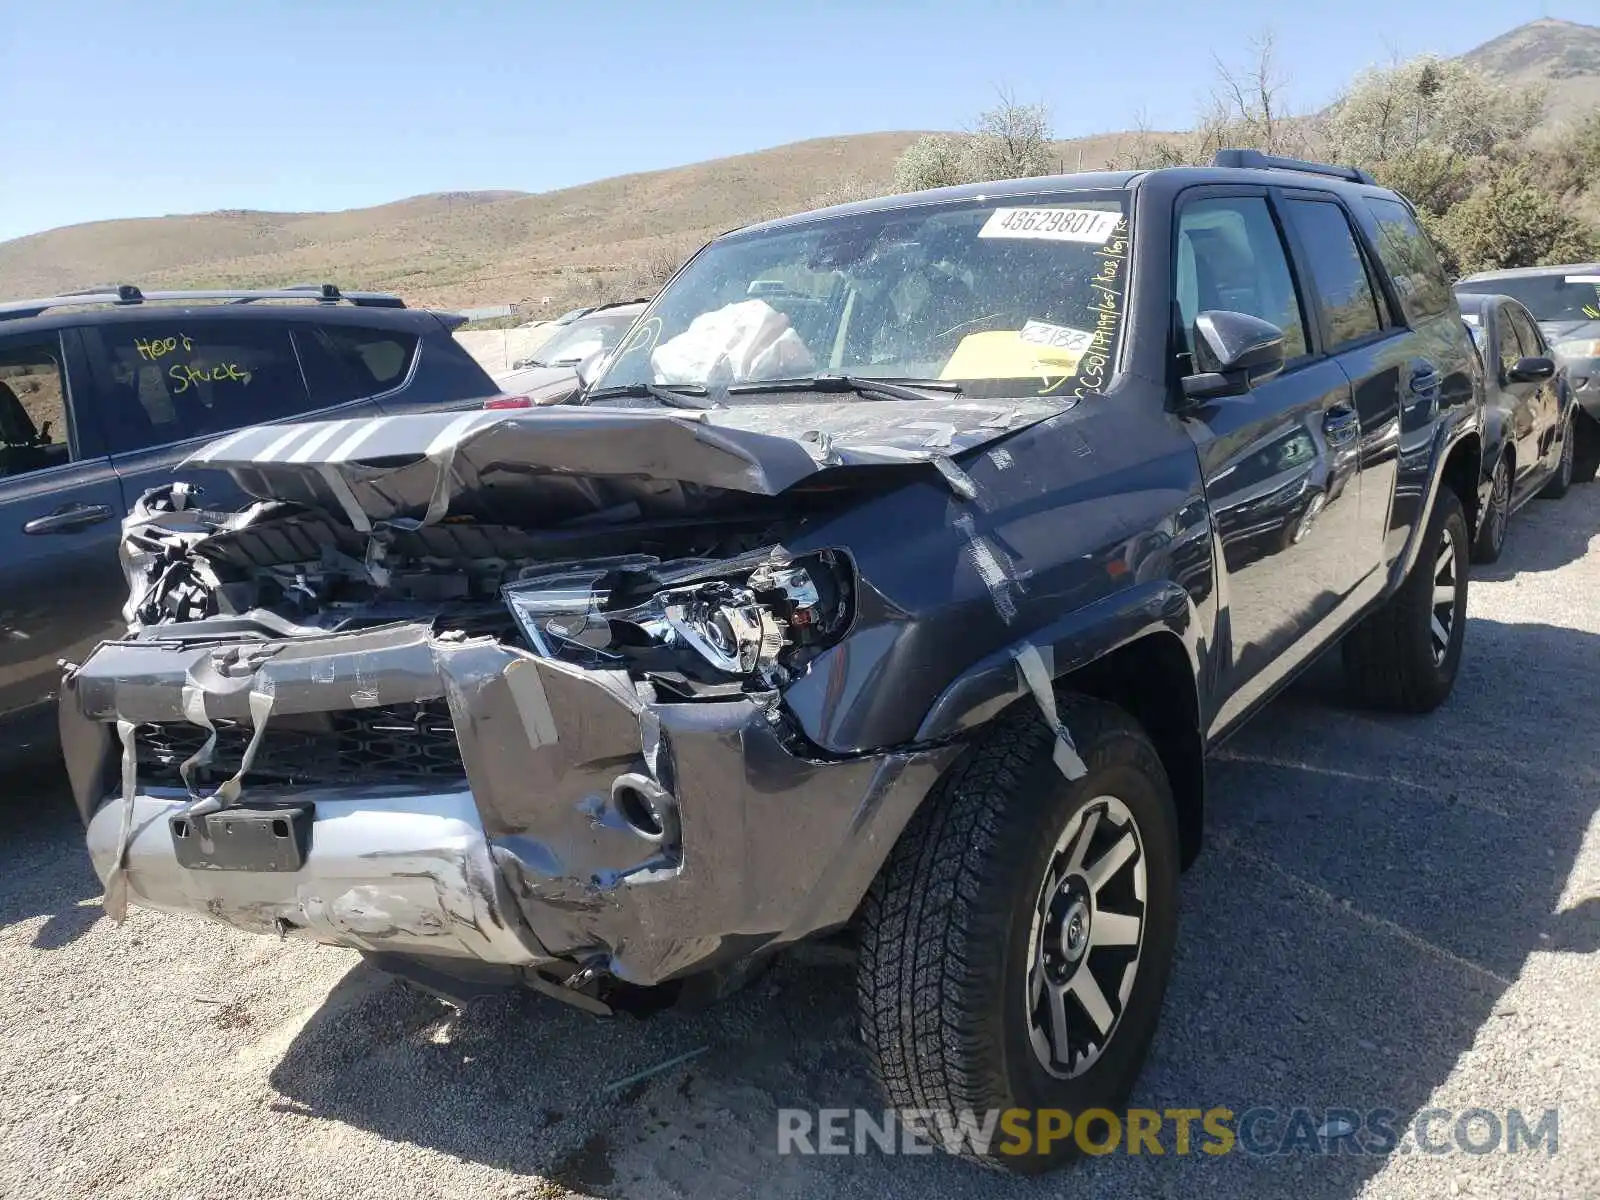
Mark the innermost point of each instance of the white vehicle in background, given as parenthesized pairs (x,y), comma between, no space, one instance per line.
(549,375)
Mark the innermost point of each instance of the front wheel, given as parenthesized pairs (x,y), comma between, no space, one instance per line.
(1404,656)
(1562,479)
(1016,947)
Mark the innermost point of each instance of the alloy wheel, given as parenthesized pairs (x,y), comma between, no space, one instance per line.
(1443,616)
(1086,937)
(1499,503)
(1568,436)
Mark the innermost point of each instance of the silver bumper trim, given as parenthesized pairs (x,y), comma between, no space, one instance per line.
(389,871)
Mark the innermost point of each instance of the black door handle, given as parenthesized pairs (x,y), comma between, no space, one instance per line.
(1424,381)
(69,518)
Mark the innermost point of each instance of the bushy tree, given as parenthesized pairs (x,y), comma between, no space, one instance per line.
(1433,177)
(934,160)
(1460,145)
(1446,106)
(1513,221)
(1572,159)
(1009,141)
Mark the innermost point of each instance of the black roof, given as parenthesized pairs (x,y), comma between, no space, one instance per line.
(1228,166)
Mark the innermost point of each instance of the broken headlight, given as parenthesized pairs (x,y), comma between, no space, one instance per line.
(697,620)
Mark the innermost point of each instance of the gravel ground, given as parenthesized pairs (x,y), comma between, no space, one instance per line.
(1392,912)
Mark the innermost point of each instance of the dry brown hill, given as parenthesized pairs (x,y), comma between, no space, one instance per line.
(1562,55)
(458,249)
(467,248)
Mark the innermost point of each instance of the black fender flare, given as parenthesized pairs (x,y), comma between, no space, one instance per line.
(1445,445)
(1067,644)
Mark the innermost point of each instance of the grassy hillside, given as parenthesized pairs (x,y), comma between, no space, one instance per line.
(458,248)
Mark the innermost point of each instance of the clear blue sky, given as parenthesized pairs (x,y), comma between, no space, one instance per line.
(118,109)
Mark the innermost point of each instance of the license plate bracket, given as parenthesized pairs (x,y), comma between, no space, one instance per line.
(247,837)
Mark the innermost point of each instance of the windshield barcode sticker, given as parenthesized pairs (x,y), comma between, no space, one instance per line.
(1093,225)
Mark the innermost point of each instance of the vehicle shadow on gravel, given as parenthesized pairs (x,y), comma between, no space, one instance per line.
(1547,534)
(1371,886)
(46,869)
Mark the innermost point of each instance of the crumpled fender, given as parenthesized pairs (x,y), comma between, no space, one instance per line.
(1066,645)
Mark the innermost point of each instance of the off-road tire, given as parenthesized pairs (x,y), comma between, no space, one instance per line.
(1585,448)
(1389,657)
(1566,465)
(1491,537)
(948,928)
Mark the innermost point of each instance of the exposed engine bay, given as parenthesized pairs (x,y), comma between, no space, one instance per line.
(726,612)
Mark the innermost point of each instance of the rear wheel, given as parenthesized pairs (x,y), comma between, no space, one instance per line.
(1404,655)
(1017,945)
(1585,448)
(1562,479)
(1491,537)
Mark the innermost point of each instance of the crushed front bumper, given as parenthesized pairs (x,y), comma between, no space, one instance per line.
(538,853)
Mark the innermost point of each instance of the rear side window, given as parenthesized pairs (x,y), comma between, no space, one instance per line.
(1408,256)
(1338,272)
(172,380)
(344,363)
(33,413)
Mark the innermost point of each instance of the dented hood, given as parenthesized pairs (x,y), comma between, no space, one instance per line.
(570,462)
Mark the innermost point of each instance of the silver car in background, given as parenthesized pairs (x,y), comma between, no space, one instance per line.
(550,374)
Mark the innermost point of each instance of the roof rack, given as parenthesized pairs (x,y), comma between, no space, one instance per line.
(126,294)
(1259,161)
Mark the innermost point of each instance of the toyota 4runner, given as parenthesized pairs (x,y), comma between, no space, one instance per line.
(893,577)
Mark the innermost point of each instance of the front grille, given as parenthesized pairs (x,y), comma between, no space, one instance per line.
(394,742)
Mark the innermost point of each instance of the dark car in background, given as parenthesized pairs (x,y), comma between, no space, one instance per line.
(1565,300)
(1529,415)
(103,394)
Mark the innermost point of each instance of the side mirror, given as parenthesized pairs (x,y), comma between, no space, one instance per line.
(1531,370)
(1233,352)
(588,369)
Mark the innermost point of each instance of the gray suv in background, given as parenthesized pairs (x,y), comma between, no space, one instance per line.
(1565,300)
(103,394)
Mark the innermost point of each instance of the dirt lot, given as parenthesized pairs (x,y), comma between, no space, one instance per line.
(1391,912)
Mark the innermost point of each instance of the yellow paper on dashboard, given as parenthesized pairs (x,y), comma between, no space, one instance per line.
(1037,350)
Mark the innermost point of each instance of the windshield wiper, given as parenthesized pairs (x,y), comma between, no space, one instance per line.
(862,385)
(676,395)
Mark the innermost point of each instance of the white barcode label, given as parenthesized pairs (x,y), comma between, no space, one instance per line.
(1094,225)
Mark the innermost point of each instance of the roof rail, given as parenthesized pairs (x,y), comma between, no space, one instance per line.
(126,294)
(1259,161)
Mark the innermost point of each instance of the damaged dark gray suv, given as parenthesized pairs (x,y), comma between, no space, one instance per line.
(892,577)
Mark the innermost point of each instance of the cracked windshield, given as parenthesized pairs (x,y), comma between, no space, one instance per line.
(1019,299)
